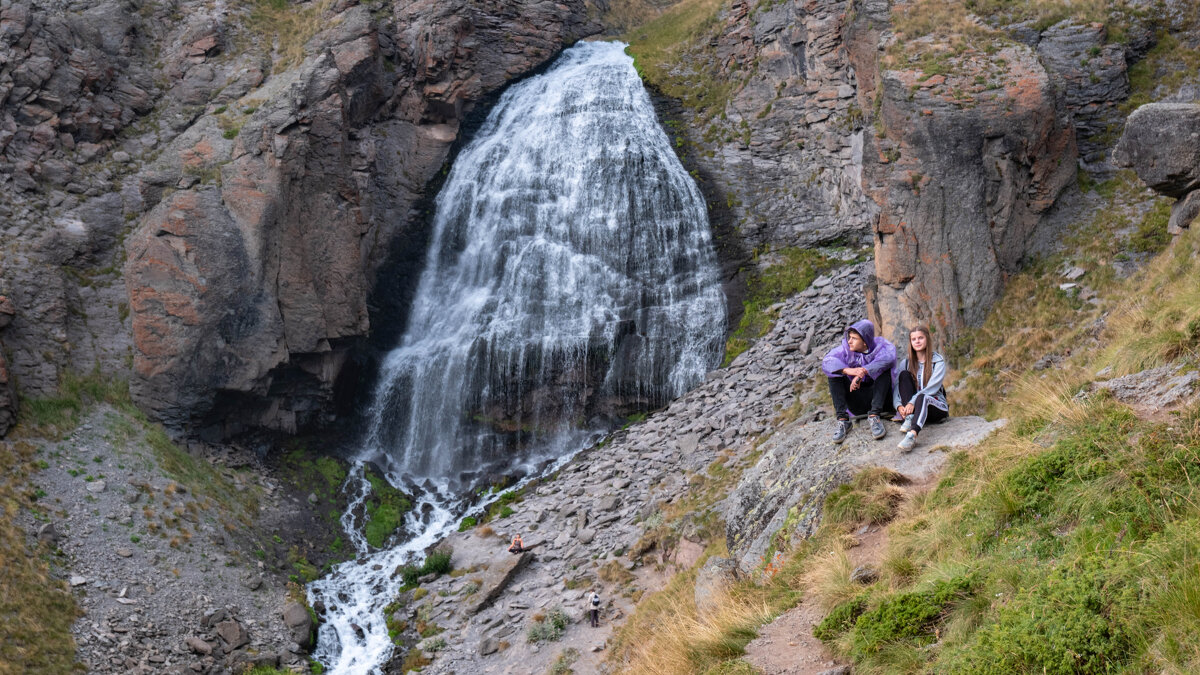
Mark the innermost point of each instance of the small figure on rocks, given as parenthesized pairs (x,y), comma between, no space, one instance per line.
(920,394)
(594,608)
(860,378)
(517,545)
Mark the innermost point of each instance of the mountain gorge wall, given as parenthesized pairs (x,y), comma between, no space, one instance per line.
(954,159)
(221,212)
(191,211)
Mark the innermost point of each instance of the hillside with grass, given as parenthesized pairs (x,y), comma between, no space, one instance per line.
(1064,543)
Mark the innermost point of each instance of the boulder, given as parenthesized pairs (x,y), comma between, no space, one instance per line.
(713,579)
(233,634)
(300,624)
(1161,143)
(494,580)
(778,501)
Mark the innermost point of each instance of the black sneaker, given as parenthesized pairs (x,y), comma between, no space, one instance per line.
(877,428)
(839,433)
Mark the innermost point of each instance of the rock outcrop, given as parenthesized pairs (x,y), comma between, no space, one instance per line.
(249,285)
(967,166)
(778,501)
(1161,144)
(264,192)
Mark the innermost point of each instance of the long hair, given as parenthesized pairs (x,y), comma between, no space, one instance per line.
(912,355)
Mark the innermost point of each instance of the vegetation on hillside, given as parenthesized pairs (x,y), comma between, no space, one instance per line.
(1065,543)
(791,272)
(672,53)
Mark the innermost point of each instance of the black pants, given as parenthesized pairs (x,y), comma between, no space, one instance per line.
(595,618)
(923,407)
(872,396)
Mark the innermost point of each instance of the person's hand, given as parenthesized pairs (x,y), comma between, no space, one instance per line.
(856,373)
(906,409)
(856,383)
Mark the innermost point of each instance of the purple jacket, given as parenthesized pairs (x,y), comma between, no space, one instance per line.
(879,358)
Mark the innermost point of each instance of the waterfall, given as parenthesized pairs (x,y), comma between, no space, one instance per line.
(570,279)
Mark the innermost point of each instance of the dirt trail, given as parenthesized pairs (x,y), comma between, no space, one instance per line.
(786,646)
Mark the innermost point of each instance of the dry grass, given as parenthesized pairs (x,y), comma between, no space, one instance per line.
(1162,322)
(624,15)
(693,642)
(286,27)
(827,580)
(36,610)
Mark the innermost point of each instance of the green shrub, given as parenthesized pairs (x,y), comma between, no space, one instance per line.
(438,562)
(467,523)
(551,628)
(1069,624)
(385,509)
(839,620)
(904,616)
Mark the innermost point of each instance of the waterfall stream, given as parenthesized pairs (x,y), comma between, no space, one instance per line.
(570,280)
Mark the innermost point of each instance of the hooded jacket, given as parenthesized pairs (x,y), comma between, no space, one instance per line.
(879,359)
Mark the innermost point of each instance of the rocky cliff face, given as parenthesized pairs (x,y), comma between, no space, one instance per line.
(263,196)
(964,172)
(787,149)
(835,130)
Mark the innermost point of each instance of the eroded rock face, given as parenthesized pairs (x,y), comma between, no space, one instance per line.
(964,175)
(787,152)
(8,395)
(1093,77)
(249,286)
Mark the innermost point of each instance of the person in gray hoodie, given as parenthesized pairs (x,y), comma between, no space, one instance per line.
(919,394)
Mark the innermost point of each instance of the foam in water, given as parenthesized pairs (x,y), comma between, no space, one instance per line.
(571,272)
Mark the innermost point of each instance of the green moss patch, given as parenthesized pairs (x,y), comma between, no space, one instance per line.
(385,509)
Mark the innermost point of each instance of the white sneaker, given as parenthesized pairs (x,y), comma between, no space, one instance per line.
(910,440)
(907,426)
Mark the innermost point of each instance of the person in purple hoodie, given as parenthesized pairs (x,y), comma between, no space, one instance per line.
(860,378)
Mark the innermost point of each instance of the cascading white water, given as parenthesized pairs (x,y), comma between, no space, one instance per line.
(571,272)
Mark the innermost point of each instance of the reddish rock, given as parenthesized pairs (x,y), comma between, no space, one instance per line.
(978,178)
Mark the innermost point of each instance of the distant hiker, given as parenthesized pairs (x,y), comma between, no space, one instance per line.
(920,395)
(860,380)
(594,604)
(517,546)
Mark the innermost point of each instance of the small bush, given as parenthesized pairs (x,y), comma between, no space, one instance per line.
(467,523)
(839,620)
(551,628)
(904,616)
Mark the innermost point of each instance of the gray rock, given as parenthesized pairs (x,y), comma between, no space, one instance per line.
(1161,143)
(199,646)
(1157,389)
(233,634)
(713,579)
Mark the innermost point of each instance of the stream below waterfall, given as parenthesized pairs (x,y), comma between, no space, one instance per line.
(570,281)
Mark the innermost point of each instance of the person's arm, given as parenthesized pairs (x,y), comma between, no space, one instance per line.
(896,385)
(883,358)
(833,364)
(935,378)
